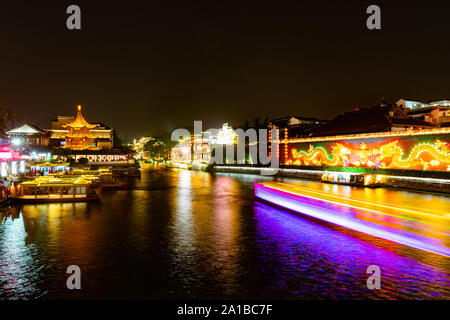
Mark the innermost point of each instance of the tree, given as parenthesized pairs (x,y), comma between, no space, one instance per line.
(166,138)
(8,119)
(246,124)
(71,161)
(256,122)
(155,149)
(159,147)
(117,142)
(83,160)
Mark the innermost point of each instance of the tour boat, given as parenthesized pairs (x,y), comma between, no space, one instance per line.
(68,188)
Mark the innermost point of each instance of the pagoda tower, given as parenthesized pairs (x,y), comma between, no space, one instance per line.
(80,136)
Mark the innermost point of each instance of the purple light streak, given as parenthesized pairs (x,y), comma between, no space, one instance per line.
(324,210)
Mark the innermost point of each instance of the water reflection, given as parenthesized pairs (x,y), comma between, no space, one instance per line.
(181,231)
(186,234)
(183,220)
(19,272)
(225,227)
(328,263)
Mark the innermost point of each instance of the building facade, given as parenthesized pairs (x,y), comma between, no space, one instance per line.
(434,112)
(78,134)
(435,115)
(28,135)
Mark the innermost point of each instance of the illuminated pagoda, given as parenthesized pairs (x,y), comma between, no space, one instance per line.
(83,140)
(78,134)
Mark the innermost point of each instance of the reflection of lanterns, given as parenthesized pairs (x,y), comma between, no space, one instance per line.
(14,167)
(3,169)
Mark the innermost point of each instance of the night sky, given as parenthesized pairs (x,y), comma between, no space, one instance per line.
(151,66)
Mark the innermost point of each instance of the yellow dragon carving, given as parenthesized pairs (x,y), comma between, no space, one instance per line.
(424,156)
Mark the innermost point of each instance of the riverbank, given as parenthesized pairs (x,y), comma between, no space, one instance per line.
(392,181)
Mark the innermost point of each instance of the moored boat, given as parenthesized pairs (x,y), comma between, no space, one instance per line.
(48,189)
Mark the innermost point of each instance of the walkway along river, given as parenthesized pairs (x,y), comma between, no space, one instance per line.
(192,234)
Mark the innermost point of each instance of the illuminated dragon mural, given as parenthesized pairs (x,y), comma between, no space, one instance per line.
(422,156)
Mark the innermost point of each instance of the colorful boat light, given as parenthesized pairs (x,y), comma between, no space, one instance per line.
(348,215)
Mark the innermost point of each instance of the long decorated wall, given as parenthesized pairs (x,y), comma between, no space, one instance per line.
(419,150)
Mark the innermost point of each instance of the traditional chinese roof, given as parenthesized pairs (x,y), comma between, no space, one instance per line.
(292,120)
(80,122)
(367,120)
(26,129)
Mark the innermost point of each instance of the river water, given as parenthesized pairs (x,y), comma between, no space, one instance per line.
(188,234)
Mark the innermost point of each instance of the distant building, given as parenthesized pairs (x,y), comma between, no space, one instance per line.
(28,135)
(442,103)
(410,104)
(195,151)
(436,115)
(201,148)
(434,112)
(60,121)
(181,154)
(76,139)
(294,126)
(225,135)
(78,134)
(368,120)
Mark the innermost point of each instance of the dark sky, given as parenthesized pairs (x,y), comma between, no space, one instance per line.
(148,66)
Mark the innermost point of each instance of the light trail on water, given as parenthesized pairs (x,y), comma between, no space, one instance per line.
(359,216)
